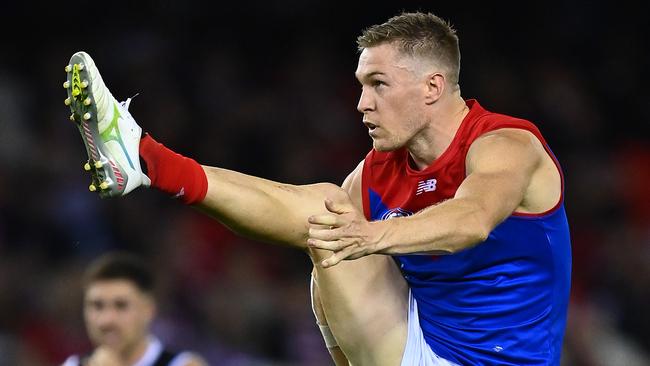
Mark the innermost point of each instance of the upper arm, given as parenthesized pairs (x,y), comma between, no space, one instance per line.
(499,168)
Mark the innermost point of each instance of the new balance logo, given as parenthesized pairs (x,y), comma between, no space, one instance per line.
(428,185)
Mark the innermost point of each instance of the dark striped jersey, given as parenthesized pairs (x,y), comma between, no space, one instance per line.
(155,355)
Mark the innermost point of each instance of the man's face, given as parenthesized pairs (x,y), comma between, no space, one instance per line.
(392,97)
(117,314)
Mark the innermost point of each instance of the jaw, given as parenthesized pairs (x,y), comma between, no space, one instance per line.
(113,341)
(386,144)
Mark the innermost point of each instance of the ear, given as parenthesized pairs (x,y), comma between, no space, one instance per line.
(435,86)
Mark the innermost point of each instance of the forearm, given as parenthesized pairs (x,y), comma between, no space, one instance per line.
(446,228)
(263,209)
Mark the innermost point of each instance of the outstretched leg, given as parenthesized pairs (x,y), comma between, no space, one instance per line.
(364,301)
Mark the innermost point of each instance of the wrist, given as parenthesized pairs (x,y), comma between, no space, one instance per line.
(381,237)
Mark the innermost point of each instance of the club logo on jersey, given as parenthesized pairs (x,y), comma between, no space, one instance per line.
(395,212)
(428,185)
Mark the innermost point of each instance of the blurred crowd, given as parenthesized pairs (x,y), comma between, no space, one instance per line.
(268,89)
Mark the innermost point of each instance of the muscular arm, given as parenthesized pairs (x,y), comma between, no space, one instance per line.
(499,170)
(500,167)
(263,209)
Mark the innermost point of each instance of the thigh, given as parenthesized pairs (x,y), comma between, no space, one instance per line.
(366,305)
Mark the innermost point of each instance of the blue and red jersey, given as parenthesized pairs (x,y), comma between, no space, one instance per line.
(503,301)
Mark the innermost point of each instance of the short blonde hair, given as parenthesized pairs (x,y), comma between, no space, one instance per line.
(421,35)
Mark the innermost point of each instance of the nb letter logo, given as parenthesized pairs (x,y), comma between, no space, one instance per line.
(428,185)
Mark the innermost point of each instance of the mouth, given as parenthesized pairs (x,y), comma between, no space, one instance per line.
(371,126)
(110,336)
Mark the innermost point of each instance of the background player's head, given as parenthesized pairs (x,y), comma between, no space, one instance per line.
(406,67)
(119,304)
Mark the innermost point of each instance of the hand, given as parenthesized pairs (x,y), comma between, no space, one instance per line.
(104,356)
(344,231)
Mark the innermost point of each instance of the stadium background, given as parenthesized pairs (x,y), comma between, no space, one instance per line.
(268,89)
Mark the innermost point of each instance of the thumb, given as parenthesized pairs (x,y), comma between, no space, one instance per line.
(338,207)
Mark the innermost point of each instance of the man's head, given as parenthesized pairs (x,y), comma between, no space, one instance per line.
(425,38)
(406,65)
(118,301)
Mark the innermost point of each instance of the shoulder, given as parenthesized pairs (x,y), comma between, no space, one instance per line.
(482,121)
(503,145)
(71,361)
(507,136)
(499,134)
(187,358)
(490,122)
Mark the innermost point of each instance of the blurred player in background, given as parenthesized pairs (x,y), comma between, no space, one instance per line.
(448,244)
(119,308)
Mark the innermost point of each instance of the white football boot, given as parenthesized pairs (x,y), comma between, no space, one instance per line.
(111,135)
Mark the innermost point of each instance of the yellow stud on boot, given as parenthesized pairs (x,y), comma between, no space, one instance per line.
(87,101)
(87,116)
(87,167)
(92,188)
(103,185)
(98,164)
(66,84)
(68,68)
(67,101)
(84,84)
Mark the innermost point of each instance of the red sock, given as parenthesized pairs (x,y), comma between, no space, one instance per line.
(173,173)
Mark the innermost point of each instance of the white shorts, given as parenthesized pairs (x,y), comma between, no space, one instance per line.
(417,351)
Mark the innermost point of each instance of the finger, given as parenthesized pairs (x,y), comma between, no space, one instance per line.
(325,219)
(325,244)
(320,227)
(325,233)
(338,207)
(337,257)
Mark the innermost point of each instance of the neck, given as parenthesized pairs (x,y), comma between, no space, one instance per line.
(436,137)
(134,354)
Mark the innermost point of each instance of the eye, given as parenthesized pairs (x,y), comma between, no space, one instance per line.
(95,305)
(121,305)
(377,83)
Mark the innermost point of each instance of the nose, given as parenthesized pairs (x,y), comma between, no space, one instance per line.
(106,317)
(366,101)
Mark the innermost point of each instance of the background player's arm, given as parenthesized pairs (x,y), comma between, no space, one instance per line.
(500,166)
(264,209)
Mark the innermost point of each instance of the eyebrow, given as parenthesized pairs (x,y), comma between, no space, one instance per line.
(369,75)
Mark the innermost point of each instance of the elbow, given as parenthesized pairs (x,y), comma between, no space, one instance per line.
(481,233)
(471,237)
(479,226)
(476,229)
